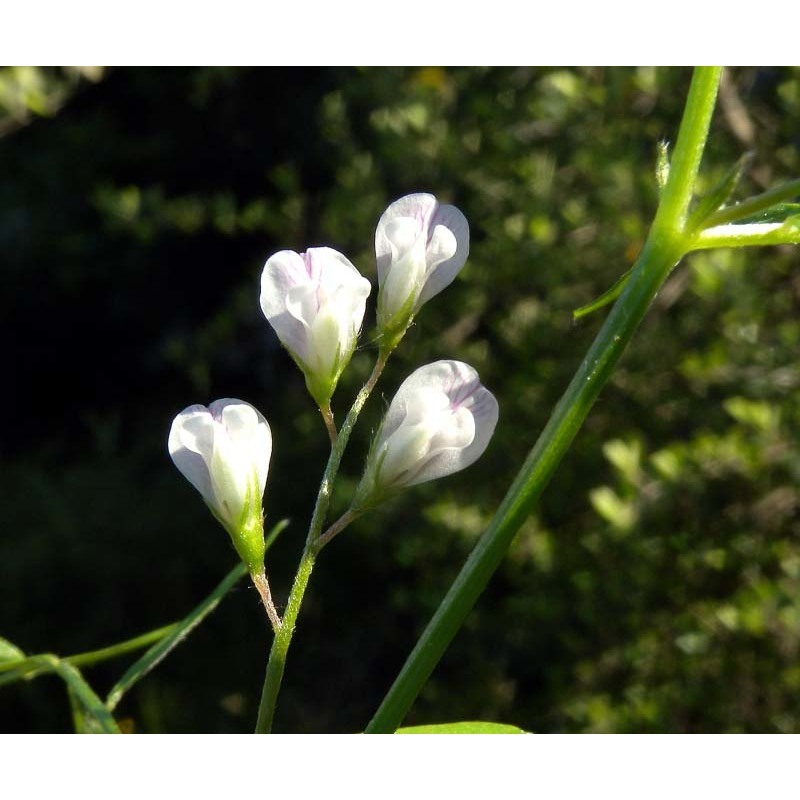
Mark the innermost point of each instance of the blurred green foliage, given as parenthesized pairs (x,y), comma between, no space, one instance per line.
(658,586)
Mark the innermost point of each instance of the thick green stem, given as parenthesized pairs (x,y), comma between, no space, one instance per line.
(665,245)
(283,637)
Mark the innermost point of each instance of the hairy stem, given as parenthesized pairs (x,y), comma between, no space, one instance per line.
(262,585)
(283,636)
(330,425)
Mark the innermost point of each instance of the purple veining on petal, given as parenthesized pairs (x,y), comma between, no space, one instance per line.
(314,275)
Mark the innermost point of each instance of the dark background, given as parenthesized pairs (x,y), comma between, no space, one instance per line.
(657,588)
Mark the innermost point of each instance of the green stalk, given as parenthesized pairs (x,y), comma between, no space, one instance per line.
(757,234)
(283,636)
(31,666)
(665,246)
(115,650)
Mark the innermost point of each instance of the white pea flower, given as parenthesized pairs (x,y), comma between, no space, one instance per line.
(224,452)
(420,247)
(315,302)
(439,422)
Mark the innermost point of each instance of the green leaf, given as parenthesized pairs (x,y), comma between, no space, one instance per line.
(717,197)
(781,212)
(463,727)
(11,661)
(81,721)
(159,651)
(607,297)
(89,712)
(9,652)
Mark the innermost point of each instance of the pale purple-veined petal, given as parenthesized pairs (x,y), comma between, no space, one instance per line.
(224,452)
(315,302)
(420,247)
(439,422)
(191,435)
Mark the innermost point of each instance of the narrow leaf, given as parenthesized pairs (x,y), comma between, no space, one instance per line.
(81,721)
(780,212)
(95,717)
(159,651)
(162,649)
(9,652)
(11,658)
(463,727)
(277,529)
(607,297)
(719,195)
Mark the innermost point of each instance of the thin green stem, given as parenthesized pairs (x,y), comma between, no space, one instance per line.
(761,202)
(336,528)
(337,451)
(666,244)
(283,637)
(32,665)
(281,643)
(116,650)
(679,190)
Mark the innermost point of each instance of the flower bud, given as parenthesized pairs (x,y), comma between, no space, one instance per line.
(420,247)
(315,302)
(224,452)
(439,422)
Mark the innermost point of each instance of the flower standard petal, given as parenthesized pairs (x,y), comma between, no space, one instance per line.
(420,246)
(315,302)
(285,271)
(224,452)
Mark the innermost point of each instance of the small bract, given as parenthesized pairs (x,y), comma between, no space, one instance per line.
(420,247)
(224,452)
(439,422)
(315,302)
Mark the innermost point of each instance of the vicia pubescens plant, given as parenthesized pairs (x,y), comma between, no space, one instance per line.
(441,418)
(440,421)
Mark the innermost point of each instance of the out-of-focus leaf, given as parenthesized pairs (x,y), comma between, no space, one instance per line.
(9,652)
(462,727)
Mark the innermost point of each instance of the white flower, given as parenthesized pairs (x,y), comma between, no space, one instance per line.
(224,452)
(439,422)
(420,247)
(315,302)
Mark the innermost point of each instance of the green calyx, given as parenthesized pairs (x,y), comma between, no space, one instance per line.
(247,534)
(393,329)
(322,386)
